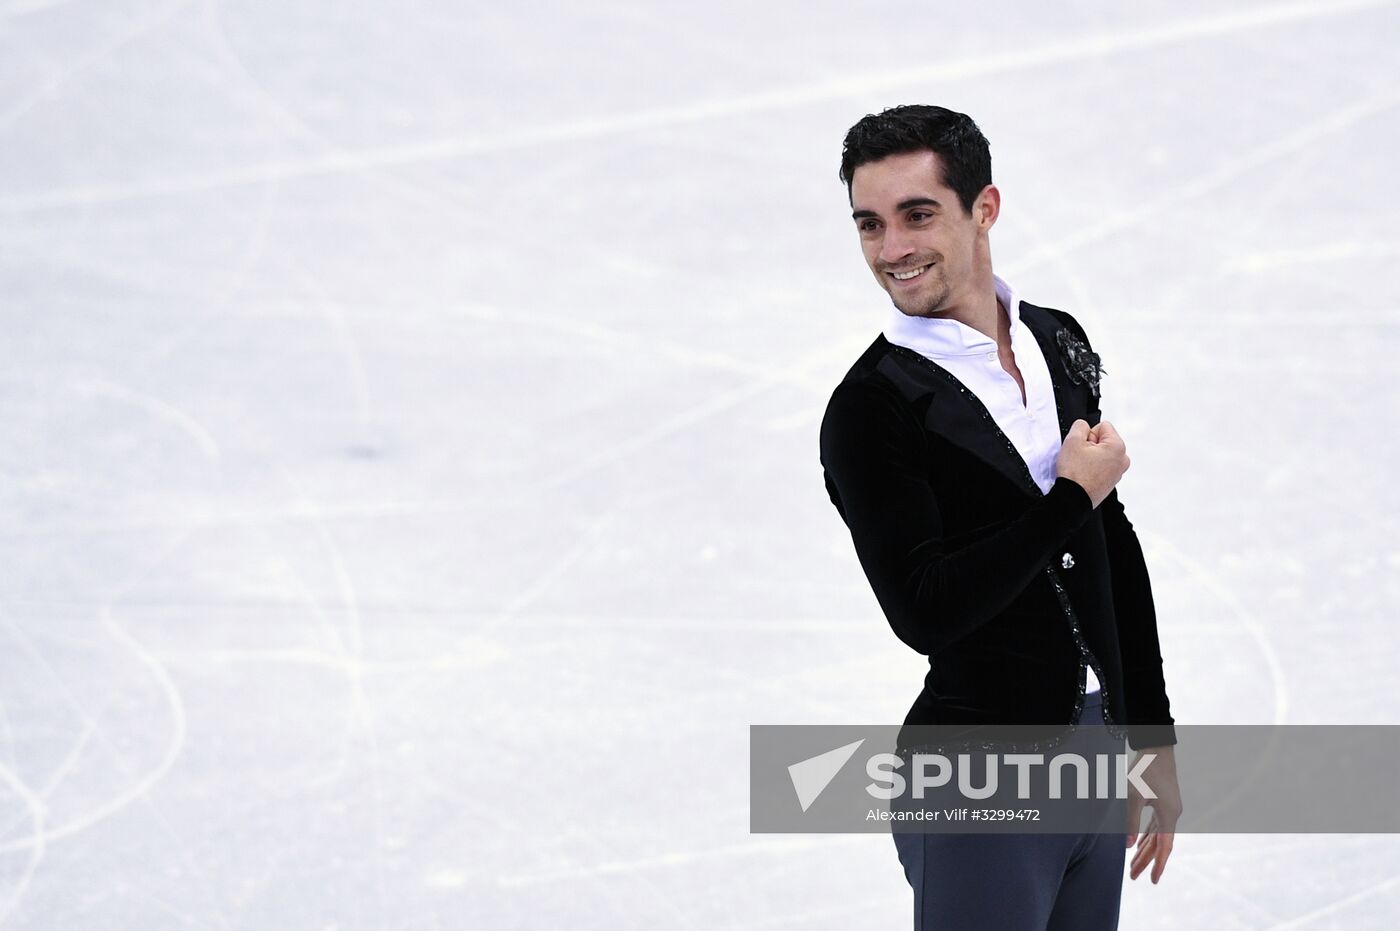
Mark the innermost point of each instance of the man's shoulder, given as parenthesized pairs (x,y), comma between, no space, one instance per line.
(1053,316)
(881,385)
(867,365)
(870,407)
(875,374)
(870,381)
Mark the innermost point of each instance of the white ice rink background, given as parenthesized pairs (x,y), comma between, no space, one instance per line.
(408,436)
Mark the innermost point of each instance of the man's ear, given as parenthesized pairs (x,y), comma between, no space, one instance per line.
(987,207)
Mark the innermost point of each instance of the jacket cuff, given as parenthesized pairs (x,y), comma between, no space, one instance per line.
(1150,722)
(1071,500)
(1142,736)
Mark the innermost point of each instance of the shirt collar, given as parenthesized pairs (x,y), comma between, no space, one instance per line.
(942,336)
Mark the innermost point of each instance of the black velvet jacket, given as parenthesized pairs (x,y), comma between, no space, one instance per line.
(1005,588)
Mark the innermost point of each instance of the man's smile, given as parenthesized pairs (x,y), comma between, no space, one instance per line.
(909,275)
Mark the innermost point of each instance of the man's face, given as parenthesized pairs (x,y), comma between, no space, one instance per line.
(909,221)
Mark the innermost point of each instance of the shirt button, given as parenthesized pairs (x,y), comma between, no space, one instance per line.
(1067,561)
(991,357)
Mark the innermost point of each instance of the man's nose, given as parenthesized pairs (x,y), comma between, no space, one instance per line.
(896,247)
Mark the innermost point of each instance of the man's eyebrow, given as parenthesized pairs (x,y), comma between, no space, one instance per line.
(902,205)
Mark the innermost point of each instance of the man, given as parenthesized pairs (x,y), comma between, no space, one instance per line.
(965,452)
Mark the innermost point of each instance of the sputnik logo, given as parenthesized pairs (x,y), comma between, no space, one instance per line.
(811,776)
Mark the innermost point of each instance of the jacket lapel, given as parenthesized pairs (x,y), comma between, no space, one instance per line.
(1071,401)
(957,415)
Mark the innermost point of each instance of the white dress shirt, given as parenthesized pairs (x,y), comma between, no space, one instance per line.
(1032,425)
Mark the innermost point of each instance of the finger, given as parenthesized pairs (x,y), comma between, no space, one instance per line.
(1107,431)
(1143,856)
(1164,850)
(1078,432)
(1141,859)
(1146,844)
(1153,828)
(1136,832)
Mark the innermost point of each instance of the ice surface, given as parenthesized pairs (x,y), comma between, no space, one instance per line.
(408,416)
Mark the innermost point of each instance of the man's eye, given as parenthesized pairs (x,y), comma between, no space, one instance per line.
(866,225)
(918,215)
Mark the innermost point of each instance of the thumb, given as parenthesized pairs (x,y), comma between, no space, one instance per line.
(1135,804)
(1079,430)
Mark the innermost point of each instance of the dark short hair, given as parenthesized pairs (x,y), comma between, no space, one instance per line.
(960,145)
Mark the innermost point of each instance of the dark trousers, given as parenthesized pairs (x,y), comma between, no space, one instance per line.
(1016,882)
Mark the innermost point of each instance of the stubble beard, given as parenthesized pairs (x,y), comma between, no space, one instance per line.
(928,304)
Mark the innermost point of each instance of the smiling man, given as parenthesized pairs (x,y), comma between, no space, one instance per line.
(966,454)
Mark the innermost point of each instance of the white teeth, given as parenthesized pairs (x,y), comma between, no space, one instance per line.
(905,276)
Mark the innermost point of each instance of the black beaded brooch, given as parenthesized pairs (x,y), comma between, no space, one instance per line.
(1081,362)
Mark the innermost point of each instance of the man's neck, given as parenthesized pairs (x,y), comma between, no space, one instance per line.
(984,312)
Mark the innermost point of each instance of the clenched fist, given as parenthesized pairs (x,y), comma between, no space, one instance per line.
(1095,458)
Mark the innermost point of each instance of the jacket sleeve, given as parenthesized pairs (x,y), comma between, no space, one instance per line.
(932,593)
(1150,723)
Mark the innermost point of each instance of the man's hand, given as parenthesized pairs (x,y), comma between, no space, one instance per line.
(1094,458)
(1156,842)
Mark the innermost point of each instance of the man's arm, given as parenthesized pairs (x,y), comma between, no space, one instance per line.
(1144,692)
(932,595)
(1144,687)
